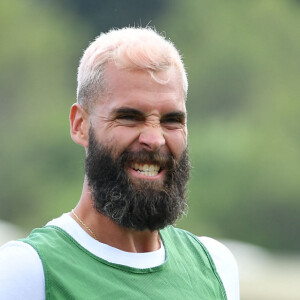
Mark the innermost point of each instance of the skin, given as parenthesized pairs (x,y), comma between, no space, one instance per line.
(136,113)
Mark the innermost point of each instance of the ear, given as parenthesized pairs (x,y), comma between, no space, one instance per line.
(79,123)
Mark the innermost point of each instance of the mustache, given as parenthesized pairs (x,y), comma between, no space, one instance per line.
(164,160)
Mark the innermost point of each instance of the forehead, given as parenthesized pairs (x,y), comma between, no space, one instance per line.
(137,89)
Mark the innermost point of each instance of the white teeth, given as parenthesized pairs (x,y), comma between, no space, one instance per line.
(146,169)
(147,173)
(151,168)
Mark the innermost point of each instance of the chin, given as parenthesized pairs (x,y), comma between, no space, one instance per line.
(141,182)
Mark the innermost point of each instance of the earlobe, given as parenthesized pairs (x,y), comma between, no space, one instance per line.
(79,125)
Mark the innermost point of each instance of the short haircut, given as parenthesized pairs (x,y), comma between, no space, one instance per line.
(128,48)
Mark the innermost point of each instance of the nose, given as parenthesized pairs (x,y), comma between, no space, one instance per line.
(152,138)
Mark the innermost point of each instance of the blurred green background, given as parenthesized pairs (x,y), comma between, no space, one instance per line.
(243,60)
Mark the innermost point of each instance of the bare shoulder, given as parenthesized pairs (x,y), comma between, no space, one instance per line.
(225,264)
(21,272)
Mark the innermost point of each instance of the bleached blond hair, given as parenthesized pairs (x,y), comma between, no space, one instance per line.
(128,48)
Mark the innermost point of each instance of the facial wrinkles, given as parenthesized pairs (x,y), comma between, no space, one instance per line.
(152,120)
(103,120)
(152,127)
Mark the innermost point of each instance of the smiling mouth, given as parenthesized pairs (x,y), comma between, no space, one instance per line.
(146,169)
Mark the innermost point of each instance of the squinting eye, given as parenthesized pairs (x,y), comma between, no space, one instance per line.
(173,123)
(128,119)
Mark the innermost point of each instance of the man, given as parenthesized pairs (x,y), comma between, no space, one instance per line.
(118,242)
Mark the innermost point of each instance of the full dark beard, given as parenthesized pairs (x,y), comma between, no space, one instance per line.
(143,204)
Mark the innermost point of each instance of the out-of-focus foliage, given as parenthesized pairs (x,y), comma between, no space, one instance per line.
(244,72)
(244,66)
(38,49)
(106,14)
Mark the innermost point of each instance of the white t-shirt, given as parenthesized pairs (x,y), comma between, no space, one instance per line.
(22,275)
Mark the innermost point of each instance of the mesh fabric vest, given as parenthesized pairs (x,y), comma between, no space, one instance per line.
(72,272)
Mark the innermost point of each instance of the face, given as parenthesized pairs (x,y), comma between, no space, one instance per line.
(139,114)
(137,165)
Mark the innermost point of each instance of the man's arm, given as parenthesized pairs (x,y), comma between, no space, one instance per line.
(21,273)
(226,266)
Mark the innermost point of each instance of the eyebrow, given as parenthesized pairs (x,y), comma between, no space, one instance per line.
(181,116)
(128,110)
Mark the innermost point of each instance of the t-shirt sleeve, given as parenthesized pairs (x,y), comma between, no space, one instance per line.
(21,272)
(226,266)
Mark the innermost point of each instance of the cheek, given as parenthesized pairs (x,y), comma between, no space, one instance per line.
(121,138)
(176,142)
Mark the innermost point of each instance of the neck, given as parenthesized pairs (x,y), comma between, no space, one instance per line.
(108,232)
